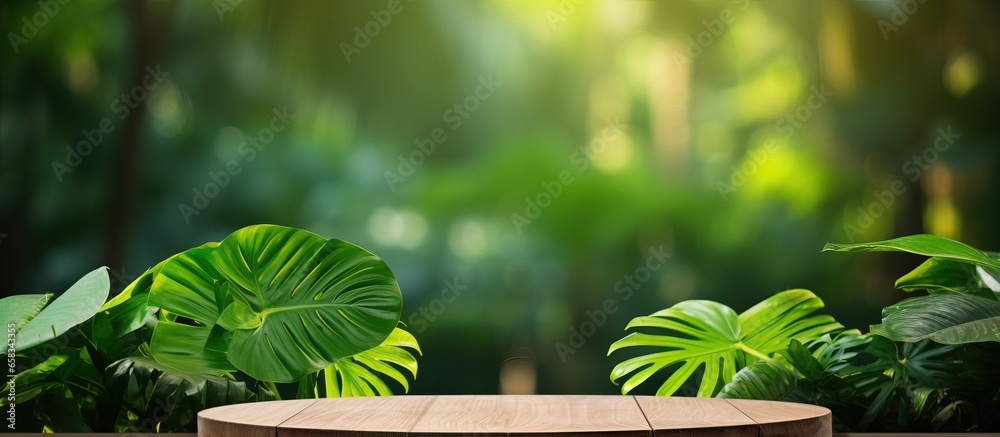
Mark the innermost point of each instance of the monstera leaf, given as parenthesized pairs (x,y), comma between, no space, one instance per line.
(356,375)
(190,284)
(710,336)
(280,302)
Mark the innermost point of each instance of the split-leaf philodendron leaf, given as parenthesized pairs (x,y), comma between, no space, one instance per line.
(284,302)
(356,375)
(701,334)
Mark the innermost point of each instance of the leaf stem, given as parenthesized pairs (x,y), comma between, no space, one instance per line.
(270,386)
(753,352)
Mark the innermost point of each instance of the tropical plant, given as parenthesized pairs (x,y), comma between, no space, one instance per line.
(930,364)
(218,324)
(713,338)
(963,304)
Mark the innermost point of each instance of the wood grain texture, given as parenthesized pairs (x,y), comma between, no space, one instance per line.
(780,419)
(695,417)
(570,415)
(392,416)
(516,416)
(481,415)
(259,419)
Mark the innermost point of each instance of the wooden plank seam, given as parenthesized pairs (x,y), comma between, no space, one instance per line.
(292,416)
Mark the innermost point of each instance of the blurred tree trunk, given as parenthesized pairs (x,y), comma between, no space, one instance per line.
(148,29)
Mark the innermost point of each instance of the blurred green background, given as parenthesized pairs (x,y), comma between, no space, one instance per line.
(739,135)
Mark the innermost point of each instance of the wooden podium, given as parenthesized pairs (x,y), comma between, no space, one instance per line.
(515,415)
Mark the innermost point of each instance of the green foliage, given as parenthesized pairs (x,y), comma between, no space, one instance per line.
(714,339)
(908,387)
(356,375)
(169,397)
(938,275)
(963,305)
(802,373)
(69,369)
(281,302)
(766,380)
(215,325)
(72,308)
(948,319)
(924,244)
(21,309)
(930,364)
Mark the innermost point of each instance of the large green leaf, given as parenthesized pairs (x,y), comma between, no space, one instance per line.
(294,301)
(196,349)
(19,310)
(772,322)
(710,336)
(924,244)
(356,375)
(944,318)
(943,275)
(190,284)
(77,305)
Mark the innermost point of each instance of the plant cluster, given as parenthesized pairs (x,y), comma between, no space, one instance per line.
(930,364)
(219,324)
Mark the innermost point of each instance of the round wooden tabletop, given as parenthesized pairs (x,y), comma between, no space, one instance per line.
(625,416)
